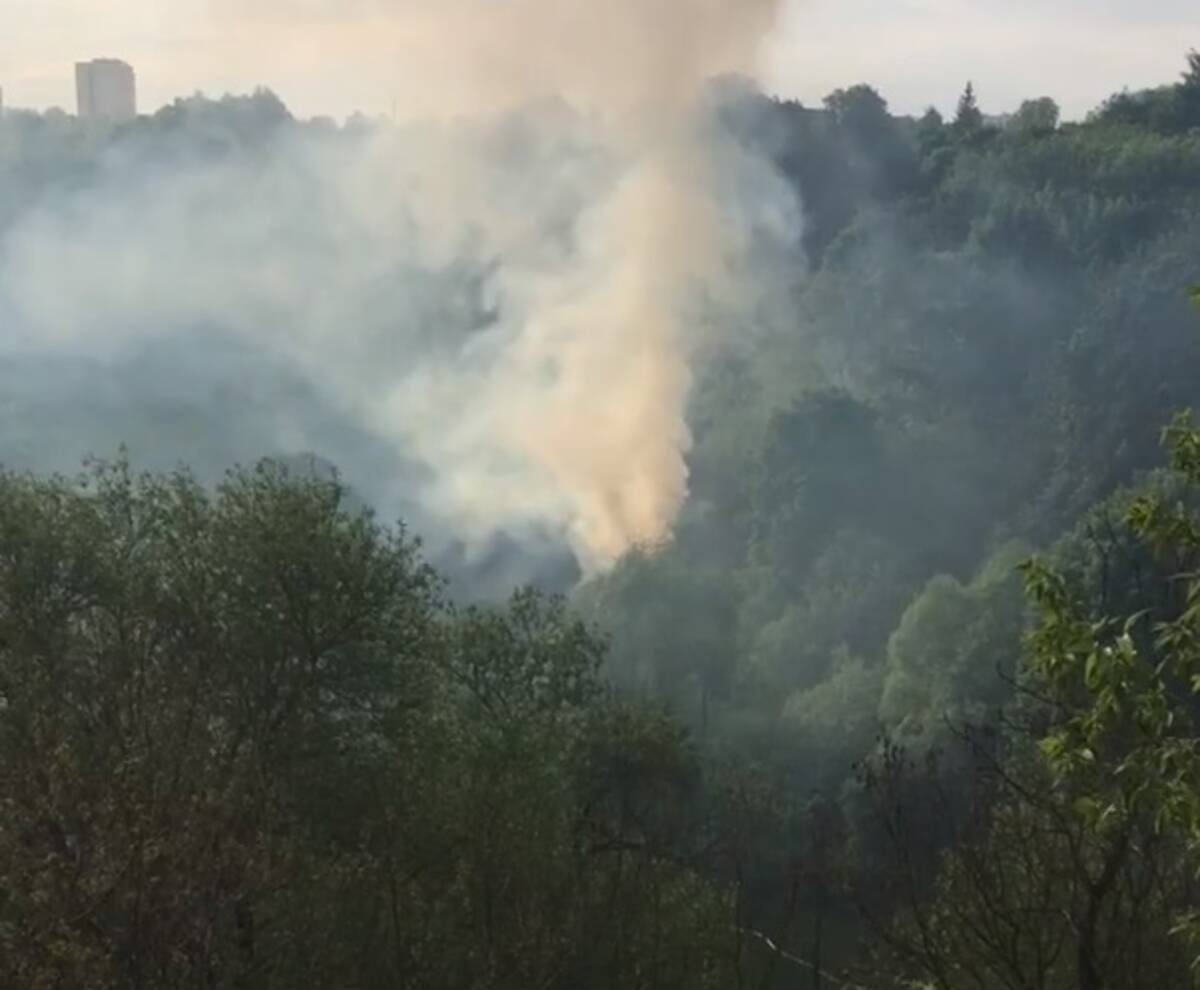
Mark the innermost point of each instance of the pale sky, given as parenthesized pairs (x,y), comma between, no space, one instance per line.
(327,57)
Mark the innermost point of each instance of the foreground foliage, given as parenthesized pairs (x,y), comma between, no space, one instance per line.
(245,745)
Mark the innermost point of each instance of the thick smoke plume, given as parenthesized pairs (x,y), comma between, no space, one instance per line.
(510,287)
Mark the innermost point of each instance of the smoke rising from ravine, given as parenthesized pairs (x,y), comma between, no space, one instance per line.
(505,287)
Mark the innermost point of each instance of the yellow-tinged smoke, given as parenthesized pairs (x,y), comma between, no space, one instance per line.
(591,389)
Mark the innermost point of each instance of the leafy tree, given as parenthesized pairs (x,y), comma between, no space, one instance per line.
(952,658)
(877,145)
(820,466)
(1082,811)
(861,112)
(1036,117)
(931,131)
(177,671)
(985,871)
(1128,740)
(841,710)
(933,139)
(245,744)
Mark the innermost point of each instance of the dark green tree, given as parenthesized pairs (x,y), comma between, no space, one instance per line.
(244,744)
(1189,92)
(1036,117)
(968,118)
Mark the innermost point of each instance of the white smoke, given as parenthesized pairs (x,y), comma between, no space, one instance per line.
(509,292)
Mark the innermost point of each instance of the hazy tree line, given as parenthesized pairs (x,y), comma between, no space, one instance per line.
(908,700)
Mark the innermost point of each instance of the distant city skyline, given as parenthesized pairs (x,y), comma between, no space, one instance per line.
(916,52)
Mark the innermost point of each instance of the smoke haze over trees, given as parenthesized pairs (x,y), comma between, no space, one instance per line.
(783,398)
(474,292)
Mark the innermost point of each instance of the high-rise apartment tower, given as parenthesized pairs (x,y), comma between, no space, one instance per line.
(106,90)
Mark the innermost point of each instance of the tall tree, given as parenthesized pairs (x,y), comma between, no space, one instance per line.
(968,120)
(1189,92)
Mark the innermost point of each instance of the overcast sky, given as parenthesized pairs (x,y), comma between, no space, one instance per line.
(917,52)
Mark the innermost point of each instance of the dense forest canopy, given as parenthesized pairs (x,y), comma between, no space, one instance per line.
(839,730)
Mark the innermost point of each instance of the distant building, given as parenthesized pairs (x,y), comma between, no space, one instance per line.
(106,90)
